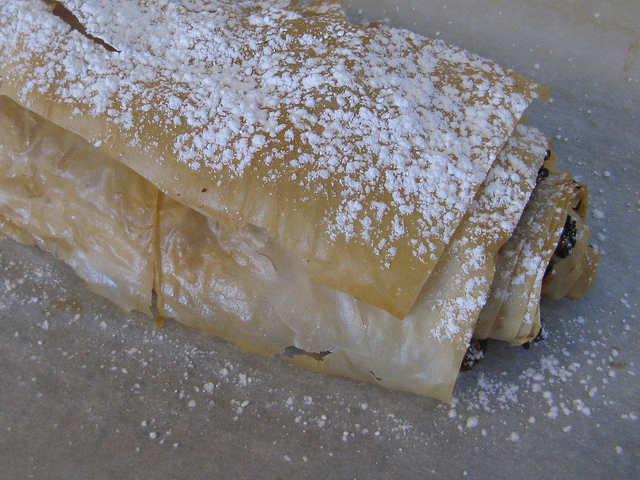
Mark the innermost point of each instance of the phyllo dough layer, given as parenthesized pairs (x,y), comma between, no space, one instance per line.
(357,149)
(60,193)
(548,254)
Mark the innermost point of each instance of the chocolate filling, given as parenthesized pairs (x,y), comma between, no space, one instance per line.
(474,354)
(567,239)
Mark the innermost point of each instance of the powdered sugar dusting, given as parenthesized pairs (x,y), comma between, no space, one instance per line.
(491,219)
(359,115)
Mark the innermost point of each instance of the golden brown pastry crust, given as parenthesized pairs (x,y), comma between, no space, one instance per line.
(301,125)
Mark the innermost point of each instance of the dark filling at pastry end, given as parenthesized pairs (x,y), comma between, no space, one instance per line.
(567,239)
(542,335)
(474,354)
(566,243)
(543,172)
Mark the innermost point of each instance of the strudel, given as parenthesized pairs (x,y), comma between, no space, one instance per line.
(361,199)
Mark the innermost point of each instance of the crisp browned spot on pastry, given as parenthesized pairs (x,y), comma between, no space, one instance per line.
(62,12)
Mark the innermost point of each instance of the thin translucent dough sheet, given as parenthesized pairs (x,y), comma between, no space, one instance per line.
(68,198)
(358,149)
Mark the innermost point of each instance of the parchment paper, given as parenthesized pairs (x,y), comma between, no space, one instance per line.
(87,391)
